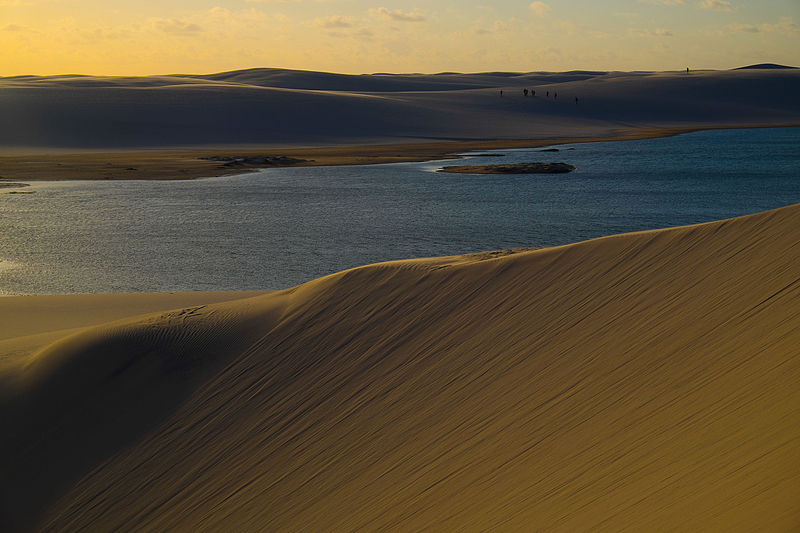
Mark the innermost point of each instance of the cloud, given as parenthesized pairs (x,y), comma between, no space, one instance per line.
(747,28)
(498,27)
(396,14)
(219,12)
(363,34)
(176,26)
(718,5)
(663,2)
(629,16)
(784,25)
(540,9)
(334,22)
(27,3)
(658,32)
(220,15)
(17,28)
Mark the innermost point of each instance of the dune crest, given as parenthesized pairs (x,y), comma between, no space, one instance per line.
(645,380)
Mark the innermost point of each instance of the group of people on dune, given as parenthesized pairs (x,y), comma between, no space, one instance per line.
(532,92)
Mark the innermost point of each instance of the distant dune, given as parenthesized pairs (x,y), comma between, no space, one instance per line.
(765,66)
(287,107)
(645,381)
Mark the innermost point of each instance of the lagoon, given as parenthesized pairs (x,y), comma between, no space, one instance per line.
(276,228)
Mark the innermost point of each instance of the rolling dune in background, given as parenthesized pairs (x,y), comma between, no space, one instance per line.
(646,380)
(284,107)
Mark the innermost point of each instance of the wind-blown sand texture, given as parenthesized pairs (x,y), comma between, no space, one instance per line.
(646,380)
(29,322)
(75,127)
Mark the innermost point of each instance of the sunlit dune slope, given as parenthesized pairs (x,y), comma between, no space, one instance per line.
(282,107)
(29,322)
(646,380)
(29,315)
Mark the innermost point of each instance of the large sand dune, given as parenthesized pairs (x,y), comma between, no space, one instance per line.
(281,107)
(646,381)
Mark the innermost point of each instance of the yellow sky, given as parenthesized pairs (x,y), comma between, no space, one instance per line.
(355,36)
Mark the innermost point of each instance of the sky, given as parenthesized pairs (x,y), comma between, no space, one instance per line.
(148,37)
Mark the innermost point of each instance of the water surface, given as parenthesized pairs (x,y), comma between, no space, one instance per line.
(276,228)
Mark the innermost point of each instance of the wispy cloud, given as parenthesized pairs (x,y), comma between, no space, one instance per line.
(396,14)
(658,32)
(717,5)
(746,28)
(176,26)
(27,3)
(663,2)
(540,9)
(784,25)
(334,22)
(498,27)
(17,28)
(220,15)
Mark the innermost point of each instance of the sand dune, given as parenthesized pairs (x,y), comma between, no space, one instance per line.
(31,322)
(162,127)
(646,381)
(29,315)
(324,81)
(280,107)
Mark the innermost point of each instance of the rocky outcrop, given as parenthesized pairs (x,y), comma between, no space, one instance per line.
(517,168)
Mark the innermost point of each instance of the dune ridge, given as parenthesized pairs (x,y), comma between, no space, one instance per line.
(645,380)
(281,107)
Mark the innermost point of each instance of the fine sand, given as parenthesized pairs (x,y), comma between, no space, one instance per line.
(645,381)
(29,322)
(159,127)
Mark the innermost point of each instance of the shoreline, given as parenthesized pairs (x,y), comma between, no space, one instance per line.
(187,163)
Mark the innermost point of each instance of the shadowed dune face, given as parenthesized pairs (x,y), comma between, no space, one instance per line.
(270,106)
(644,381)
(94,391)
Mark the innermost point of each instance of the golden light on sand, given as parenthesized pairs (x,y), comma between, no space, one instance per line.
(646,381)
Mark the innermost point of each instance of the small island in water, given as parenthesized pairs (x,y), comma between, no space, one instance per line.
(516,168)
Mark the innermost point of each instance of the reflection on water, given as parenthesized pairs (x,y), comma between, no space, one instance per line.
(279,227)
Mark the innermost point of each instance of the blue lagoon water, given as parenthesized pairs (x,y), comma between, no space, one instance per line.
(276,228)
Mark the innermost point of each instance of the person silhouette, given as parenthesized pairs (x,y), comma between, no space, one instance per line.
(533,93)
(555,96)
(525,92)
(547,94)
(576,100)
(501,92)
